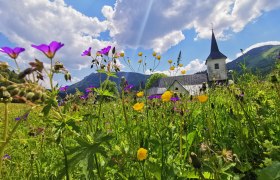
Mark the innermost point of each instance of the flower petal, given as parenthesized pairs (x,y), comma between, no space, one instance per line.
(6,50)
(55,46)
(18,50)
(43,47)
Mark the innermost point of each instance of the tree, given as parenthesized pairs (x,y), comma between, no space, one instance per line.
(110,86)
(153,78)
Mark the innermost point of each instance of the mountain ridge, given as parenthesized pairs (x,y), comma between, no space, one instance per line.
(260,59)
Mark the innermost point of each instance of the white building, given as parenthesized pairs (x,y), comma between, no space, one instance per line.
(191,84)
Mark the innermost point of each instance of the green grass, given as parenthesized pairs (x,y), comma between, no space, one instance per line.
(82,140)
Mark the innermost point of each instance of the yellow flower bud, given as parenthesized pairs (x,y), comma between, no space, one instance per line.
(138,106)
(172,68)
(154,53)
(140,94)
(183,72)
(166,96)
(122,54)
(202,98)
(140,54)
(142,154)
(169,61)
(158,57)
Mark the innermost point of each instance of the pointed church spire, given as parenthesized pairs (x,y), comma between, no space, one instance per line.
(215,52)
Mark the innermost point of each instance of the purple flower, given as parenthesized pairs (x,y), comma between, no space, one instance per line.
(49,50)
(89,89)
(105,50)
(154,97)
(64,89)
(23,117)
(83,97)
(87,52)
(128,87)
(6,156)
(13,53)
(175,99)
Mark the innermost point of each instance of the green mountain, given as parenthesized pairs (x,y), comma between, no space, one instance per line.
(136,79)
(259,60)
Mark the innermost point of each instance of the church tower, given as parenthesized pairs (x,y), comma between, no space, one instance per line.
(216,63)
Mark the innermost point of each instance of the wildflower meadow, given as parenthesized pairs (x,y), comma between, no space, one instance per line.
(228,131)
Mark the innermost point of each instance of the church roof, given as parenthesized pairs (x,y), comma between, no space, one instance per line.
(215,52)
(183,79)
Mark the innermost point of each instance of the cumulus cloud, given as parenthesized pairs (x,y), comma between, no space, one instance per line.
(26,22)
(258,45)
(154,24)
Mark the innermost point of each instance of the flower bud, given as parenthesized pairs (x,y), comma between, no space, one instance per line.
(29,95)
(14,92)
(11,87)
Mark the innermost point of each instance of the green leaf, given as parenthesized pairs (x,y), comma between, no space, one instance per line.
(270,173)
(190,139)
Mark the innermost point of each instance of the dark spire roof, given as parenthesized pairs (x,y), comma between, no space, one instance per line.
(215,52)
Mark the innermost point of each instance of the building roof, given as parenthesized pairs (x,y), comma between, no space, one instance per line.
(215,52)
(183,79)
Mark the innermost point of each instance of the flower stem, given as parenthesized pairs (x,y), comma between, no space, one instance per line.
(18,69)
(51,74)
(5,132)
(6,122)
(123,107)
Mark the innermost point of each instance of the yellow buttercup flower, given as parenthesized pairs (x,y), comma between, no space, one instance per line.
(180,65)
(183,72)
(140,54)
(170,61)
(166,96)
(139,61)
(138,106)
(172,68)
(140,94)
(154,53)
(158,57)
(202,98)
(142,154)
(122,54)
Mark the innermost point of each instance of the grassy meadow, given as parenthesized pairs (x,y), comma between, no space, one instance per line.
(227,132)
(231,132)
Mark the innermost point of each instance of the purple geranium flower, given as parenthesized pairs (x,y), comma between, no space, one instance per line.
(6,156)
(83,97)
(87,52)
(23,117)
(63,88)
(89,89)
(105,50)
(175,99)
(128,87)
(49,50)
(154,97)
(13,53)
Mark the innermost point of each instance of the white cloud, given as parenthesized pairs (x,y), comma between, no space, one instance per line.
(258,45)
(153,22)
(164,43)
(194,66)
(26,22)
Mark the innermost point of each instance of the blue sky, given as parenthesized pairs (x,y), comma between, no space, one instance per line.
(133,26)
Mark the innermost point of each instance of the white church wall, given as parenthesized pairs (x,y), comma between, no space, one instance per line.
(216,74)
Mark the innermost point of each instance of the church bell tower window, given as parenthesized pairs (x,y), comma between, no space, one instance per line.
(217,66)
